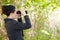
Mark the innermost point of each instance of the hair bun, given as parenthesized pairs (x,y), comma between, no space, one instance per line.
(4,9)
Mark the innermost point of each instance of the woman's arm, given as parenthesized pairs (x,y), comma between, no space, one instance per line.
(19,25)
(27,23)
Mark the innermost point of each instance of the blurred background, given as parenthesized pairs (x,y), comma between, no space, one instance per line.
(44,16)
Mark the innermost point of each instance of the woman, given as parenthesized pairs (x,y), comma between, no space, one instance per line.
(13,26)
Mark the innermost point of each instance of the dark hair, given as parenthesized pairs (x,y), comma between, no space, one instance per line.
(7,9)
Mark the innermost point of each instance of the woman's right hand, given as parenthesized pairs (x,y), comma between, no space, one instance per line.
(23,12)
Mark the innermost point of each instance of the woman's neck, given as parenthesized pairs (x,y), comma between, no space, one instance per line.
(12,18)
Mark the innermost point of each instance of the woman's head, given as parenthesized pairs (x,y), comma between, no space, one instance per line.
(9,10)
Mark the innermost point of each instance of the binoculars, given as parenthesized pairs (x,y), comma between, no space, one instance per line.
(19,12)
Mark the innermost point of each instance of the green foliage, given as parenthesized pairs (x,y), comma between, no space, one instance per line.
(39,9)
(0,37)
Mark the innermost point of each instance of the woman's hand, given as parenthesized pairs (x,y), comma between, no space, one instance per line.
(23,12)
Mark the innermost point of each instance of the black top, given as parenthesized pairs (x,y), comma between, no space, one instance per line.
(14,28)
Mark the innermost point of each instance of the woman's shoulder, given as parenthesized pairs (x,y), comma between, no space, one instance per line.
(7,20)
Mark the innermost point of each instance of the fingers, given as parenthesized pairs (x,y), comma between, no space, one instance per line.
(23,12)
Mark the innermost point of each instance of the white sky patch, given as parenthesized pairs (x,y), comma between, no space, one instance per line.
(54,18)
